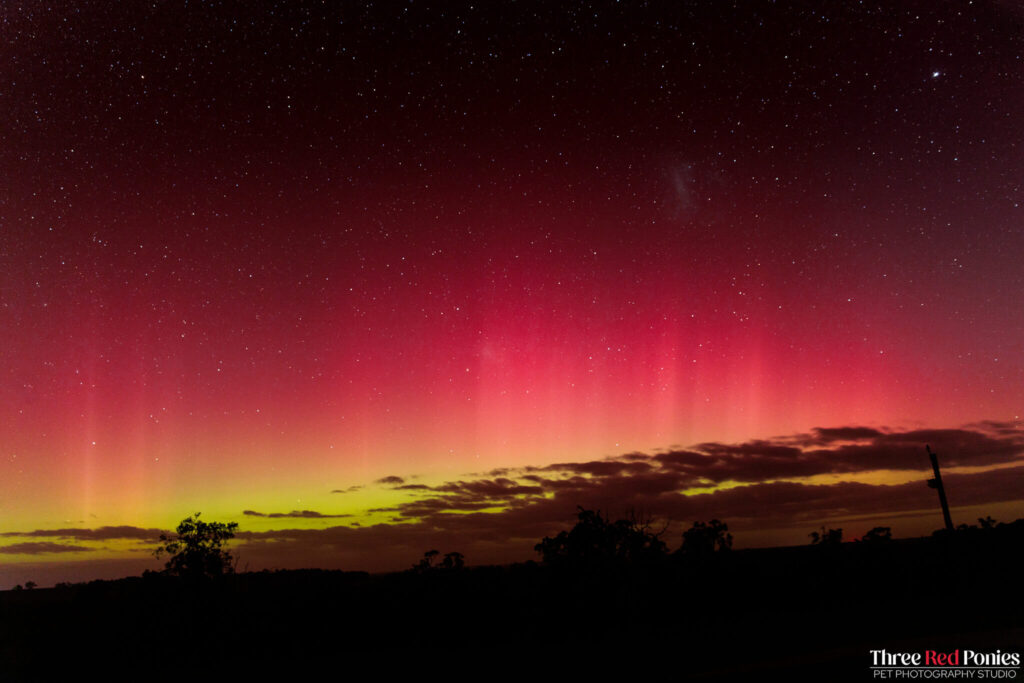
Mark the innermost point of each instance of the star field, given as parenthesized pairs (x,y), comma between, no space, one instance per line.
(255,251)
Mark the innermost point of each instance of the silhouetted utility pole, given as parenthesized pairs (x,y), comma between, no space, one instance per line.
(936,483)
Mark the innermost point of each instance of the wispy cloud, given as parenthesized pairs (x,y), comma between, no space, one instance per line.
(42,548)
(752,468)
(294,514)
(104,533)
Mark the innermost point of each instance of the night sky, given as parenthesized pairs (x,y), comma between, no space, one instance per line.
(370,279)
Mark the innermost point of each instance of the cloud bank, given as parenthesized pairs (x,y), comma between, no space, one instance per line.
(758,485)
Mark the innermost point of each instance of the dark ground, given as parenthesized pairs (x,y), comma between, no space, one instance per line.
(789,613)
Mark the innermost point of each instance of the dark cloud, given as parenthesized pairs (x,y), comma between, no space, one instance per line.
(488,488)
(104,533)
(997,427)
(599,468)
(350,489)
(295,514)
(544,498)
(39,548)
(500,472)
(629,457)
(510,534)
(760,486)
(829,435)
(871,450)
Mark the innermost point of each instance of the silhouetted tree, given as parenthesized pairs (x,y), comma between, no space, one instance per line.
(984,524)
(879,533)
(703,539)
(453,561)
(197,550)
(427,563)
(826,537)
(596,541)
(29,585)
